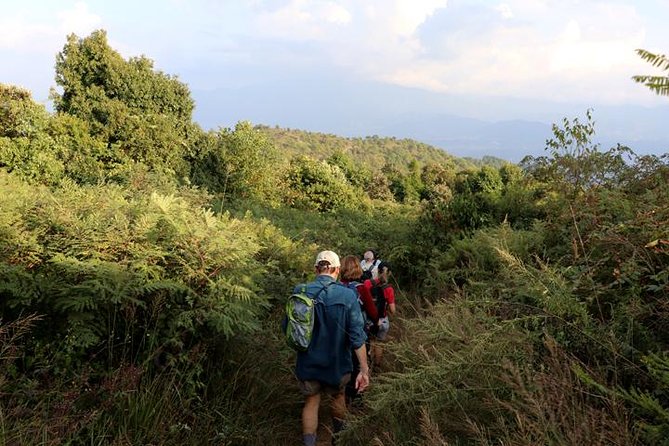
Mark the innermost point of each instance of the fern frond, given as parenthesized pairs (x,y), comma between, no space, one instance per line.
(225,289)
(657,60)
(169,286)
(658,84)
(646,402)
(658,366)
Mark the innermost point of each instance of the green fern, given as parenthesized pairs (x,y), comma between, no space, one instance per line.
(653,406)
(128,274)
(658,84)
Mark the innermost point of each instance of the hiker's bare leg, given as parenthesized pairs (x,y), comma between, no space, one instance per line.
(310,414)
(338,406)
(377,354)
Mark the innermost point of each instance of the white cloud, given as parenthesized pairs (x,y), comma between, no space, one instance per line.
(422,75)
(335,13)
(301,20)
(18,32)
(583,56)
(78,20)
(369,39)
(407,15)
(582,52)
(375,20)
(505,10)
(579,49)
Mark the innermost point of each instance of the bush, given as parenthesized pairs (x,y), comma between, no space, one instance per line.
(125,276)
(237,164)
(319,186)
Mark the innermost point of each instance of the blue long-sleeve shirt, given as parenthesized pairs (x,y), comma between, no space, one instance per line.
(338,327)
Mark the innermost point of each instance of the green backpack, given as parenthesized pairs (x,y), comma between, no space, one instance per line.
(300,317)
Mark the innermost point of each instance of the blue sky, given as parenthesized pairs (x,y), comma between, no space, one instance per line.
(491,60)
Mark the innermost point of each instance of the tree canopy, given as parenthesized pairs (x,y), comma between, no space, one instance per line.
(141,113)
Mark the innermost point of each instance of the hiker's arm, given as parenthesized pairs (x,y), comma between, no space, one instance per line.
(368,300)
(389,295)
(358,337)
(362,380)
(356,326)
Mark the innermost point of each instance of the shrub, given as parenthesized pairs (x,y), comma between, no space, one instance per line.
(319,186)
(124,276)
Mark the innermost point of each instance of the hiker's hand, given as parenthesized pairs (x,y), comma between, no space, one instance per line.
(362,381)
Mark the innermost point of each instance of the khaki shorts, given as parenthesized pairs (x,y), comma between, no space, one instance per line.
(310,387)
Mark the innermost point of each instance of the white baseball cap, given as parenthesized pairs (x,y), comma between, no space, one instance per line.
(328,256)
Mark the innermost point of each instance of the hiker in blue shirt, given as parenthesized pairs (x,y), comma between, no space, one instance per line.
(326,366)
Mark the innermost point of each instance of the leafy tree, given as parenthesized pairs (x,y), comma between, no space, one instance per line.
(45,148)
(487,180)
(437,182)
(379,188)
(139,112)
(356,173)
(519,203)
(658,84)
(239,163)
(576,163)
(20,116)
(85,158)
(406,187)
(320,186)
(25,146)
(511,173)
(486,160)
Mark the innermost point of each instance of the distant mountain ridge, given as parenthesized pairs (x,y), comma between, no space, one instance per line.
(466,126)
(477,138)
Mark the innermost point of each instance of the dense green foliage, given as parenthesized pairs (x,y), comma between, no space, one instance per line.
(236,163)
(139,113)
(45,148)
(144,263)
(374,152)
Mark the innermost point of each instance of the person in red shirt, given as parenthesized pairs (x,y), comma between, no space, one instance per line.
(351,276)
(386,307)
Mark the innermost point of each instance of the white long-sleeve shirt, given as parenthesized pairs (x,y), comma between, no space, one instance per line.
(372,266)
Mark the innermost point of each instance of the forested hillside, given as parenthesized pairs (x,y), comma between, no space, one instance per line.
(145,263)
(372,152)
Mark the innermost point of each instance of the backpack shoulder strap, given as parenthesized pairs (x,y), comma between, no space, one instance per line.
(325,287)
(353,285)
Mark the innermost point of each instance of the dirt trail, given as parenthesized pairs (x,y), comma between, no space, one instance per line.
(324,414)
